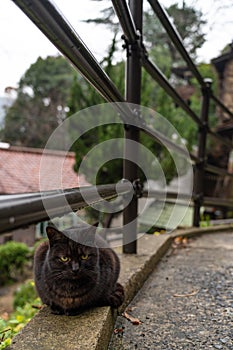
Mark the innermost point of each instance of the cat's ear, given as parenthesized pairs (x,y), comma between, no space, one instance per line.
(96,224)
(53,234)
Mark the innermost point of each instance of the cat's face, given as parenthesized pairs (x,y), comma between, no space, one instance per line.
(70,260)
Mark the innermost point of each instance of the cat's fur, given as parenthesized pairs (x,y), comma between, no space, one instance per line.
(71,286)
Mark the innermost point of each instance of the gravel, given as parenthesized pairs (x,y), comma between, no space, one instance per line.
(187,303)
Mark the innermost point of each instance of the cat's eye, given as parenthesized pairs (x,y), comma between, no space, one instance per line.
(64,258)
(84,257)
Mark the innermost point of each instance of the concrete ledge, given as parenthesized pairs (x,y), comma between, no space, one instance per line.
(90,330)
(93,328)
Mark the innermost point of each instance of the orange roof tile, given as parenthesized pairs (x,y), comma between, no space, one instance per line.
(20,170)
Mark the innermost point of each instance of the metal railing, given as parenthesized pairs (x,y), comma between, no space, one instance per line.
(23,210)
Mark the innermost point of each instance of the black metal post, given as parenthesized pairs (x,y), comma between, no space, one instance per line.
(133,95)
(200,165)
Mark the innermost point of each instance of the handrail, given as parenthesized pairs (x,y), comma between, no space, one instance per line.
(29,208)
(53,24)
(57,29)
(169,194)
(218,202)
(155,72)
(216,170)
(175,38)
(221,105)
(126,20)
(26,210)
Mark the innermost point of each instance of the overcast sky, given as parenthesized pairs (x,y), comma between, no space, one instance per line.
(22,43)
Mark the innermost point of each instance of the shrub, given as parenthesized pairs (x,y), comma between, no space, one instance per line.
(24,294)
(26,305)
(13,256)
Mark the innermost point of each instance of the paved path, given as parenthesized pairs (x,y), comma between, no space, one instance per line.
(187,303)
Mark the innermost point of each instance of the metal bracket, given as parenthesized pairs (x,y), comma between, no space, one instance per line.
(200,163)
(198,198)
(138,188)
(204,127)
(136,45)
(137,120)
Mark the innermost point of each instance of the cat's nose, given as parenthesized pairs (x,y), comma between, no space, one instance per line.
(75,266)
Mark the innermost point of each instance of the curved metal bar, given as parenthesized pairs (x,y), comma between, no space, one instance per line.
(215,170)
(126,20)
(221,105)
(155,72)
(218,202)
(175,38)
(25,210)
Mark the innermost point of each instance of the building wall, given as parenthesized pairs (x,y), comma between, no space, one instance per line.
(26,235)
(227,87)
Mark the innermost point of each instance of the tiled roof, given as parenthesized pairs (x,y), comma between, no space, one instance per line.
(21,169)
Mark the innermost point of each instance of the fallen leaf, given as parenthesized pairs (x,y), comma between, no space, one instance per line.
(118,330)
(156,233)
(130,309)
(180,242)
(194,292)
(134,320)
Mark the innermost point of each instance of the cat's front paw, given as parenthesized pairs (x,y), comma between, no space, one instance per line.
(56,310)
(117,297)
(73,312)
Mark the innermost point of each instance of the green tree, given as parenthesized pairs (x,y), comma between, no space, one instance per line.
(188,20)
(41,102)
(189,23)
(83,95)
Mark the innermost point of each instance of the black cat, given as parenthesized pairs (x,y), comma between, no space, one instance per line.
(74,274)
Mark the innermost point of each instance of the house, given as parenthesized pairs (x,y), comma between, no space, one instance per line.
(221,155)
(21,171)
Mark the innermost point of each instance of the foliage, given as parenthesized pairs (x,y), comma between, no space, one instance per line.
(24,294)
(26,305)
(13,256)
(188,21)
(82,96)
(40,105)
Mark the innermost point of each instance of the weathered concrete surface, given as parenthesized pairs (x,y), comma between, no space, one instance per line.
(49,332)
(92,329)
(187,302)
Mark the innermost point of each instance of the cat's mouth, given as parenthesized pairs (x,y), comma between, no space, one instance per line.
(78,276)
(75,276)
